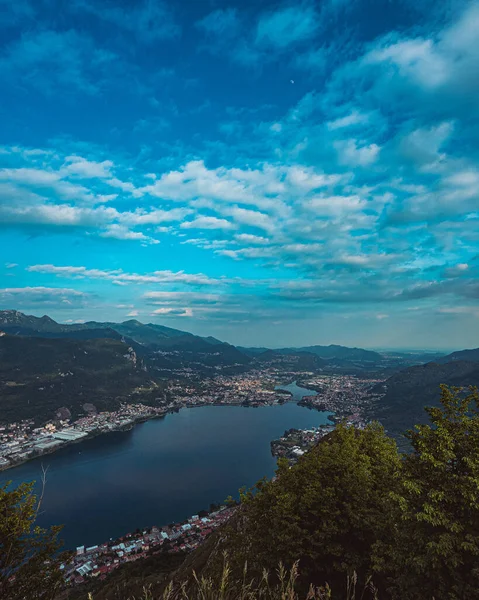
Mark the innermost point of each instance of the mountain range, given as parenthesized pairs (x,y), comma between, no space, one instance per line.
(36,349)
(174,347)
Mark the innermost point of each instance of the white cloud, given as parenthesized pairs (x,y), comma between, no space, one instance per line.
(118,275)
(416,59)
(248,238)
(120,232)
(252,218)
(42,290)
(80,167)
(204,222)
(354,118)
(173,312)
(153,217)
(442,61)
(307,179)
(286,26)
(423,145)
(351,153)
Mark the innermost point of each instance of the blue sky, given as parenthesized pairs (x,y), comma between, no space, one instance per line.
(269,173)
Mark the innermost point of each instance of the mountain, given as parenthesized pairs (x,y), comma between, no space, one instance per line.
(38,376)
(166,348)
(470,355)
(17,323)
(330,352)
(407,392)
(294,360)
(342,353)
(254,351)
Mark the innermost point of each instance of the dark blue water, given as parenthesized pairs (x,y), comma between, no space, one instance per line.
(297,392)
(160,472)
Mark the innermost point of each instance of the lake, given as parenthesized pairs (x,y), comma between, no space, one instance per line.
(161,471)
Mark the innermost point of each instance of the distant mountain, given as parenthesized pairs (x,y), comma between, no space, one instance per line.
(17,323)
(330,353)
(334,351)
(178,347)
(300,361)
(472,355)
(254,351)
(38,376)
(407,392)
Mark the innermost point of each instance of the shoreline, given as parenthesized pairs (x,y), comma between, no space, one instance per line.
(138,421)
(91,435)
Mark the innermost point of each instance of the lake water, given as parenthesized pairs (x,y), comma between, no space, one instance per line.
(161,471)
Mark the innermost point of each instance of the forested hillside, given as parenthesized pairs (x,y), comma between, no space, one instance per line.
(40,375)
(407,392)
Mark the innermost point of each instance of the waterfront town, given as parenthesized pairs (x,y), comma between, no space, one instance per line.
(347,397)
(98,561)
(296,442)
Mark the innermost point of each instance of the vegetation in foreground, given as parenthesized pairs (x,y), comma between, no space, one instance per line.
(351,512)
(281,585)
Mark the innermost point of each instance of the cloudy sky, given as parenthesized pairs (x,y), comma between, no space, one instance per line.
(269,173)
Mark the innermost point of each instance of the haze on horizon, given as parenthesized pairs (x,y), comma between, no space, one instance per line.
(277,175)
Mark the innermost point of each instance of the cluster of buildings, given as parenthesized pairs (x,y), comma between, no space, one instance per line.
(98,561)
(247,389)
(344,395)
(296,442)
(347,396)
(21,441)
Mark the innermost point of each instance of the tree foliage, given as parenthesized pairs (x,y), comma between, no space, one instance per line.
(435,551)
(29,560)
(409,522)
(328,510)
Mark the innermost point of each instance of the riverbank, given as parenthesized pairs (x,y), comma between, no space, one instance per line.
(27,453)
(296,442)
(160,471)
(44,441)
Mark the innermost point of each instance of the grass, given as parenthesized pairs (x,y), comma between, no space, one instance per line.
(282,585)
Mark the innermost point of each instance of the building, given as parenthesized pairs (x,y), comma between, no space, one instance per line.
(69,435)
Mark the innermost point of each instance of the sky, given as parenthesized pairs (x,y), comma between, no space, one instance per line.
(270,173)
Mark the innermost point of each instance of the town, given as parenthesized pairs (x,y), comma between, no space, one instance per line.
(296,442)
(346,397)
(100,560)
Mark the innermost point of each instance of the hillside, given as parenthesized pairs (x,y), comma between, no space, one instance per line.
(331,353)
(468,355)
(17,323)
(40,375)
(291,361)
(334,351)
(164,348)
(407,393)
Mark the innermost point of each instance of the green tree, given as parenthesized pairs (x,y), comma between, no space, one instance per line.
(435,552)
(327,511)
(29,560)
